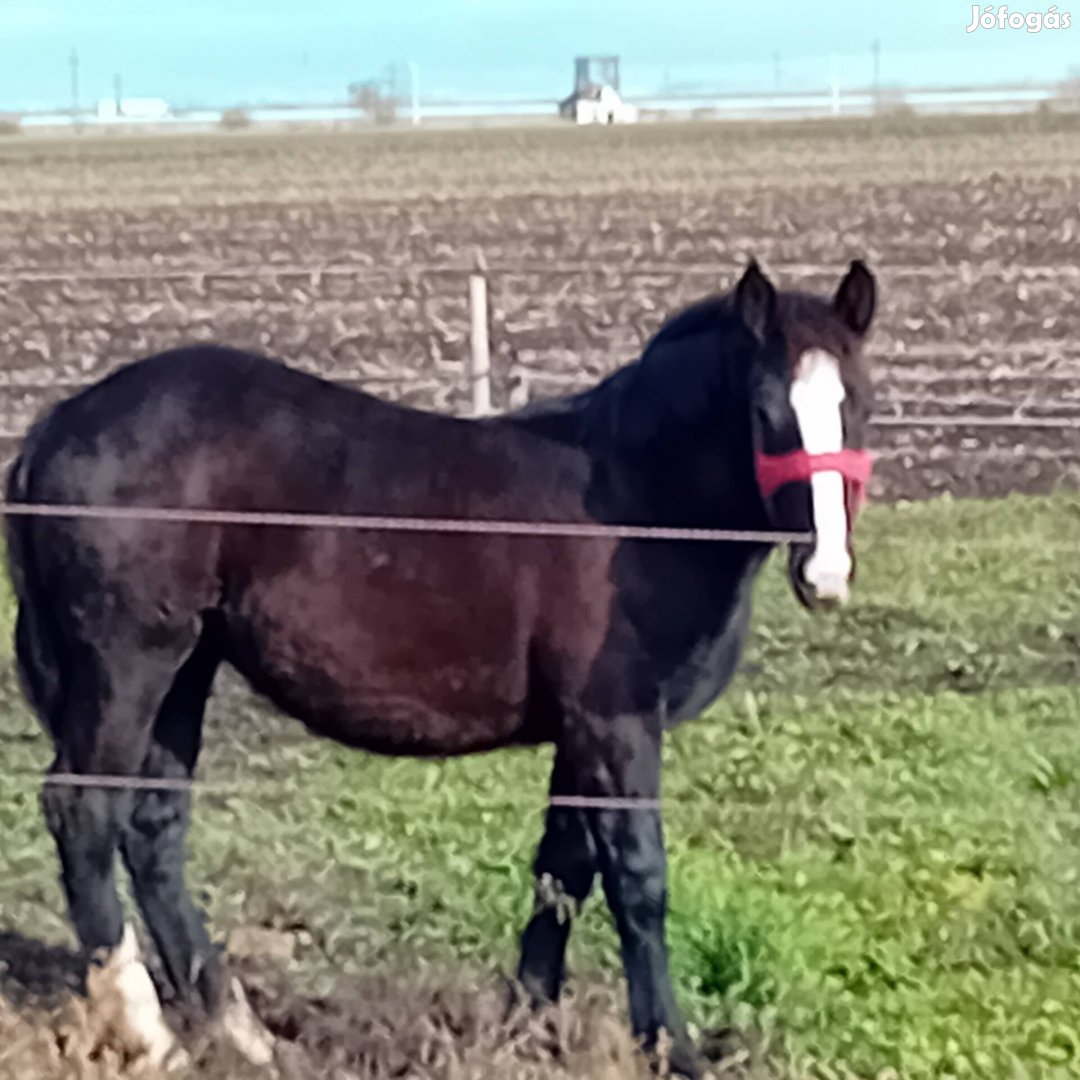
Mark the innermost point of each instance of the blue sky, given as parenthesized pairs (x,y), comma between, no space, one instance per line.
(221,52)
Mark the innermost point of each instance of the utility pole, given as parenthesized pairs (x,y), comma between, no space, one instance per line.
(414,80)
(118,93)
(73,63)
(875,48)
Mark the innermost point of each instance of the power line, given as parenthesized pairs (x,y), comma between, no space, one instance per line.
(73,64)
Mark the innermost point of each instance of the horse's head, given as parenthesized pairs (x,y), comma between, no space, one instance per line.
(810,402)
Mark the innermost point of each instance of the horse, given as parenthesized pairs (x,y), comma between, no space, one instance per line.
(746,411)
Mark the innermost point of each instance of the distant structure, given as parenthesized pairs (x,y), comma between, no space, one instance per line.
(596,97)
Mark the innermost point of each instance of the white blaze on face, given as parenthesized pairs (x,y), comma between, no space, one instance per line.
(817,392)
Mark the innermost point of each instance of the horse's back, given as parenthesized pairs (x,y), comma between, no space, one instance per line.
(221,427)
(393,640)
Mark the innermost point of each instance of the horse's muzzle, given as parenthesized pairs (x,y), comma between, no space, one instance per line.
(818,588)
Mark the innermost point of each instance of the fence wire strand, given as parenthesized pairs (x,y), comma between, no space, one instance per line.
(413,271)
(114,782)
(259,784)
(486,526)
(378,523)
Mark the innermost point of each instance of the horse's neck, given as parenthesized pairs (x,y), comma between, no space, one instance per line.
(678,480)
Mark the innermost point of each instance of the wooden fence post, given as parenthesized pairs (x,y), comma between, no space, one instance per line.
(480,350)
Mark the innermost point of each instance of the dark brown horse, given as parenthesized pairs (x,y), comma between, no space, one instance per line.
(746,411)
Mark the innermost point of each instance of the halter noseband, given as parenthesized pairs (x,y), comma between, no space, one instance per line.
(776,470)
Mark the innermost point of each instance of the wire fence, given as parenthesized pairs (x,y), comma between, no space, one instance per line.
(944,271)
(575,530)
(106,782)
(932,414)
(579,530)
(1005,414)
(1008,417)
(915,423)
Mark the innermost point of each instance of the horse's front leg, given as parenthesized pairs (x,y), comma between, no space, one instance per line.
(565,869)
(620,759)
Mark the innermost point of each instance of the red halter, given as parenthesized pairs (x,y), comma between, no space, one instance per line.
(855,466)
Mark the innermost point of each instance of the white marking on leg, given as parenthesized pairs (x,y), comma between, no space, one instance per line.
(817,392)
(246,1031)
(549,892)
(122,995)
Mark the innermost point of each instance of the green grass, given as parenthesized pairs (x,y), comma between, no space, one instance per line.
(874,837)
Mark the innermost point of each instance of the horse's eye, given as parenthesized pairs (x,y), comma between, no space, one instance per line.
(772,405)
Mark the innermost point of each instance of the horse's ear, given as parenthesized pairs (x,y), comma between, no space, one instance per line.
(755,301)
(856,298)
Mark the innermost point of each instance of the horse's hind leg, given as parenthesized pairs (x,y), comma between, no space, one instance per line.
(113,692)
(86,824)
(153,844)
(153,850)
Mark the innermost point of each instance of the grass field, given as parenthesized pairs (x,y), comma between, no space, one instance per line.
(874,836)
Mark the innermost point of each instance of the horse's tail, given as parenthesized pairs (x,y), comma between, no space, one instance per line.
(37,648)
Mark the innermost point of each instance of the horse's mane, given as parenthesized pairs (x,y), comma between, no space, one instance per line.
(679,376)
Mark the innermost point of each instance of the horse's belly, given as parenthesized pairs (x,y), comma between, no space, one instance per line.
(446,684)
(432,713)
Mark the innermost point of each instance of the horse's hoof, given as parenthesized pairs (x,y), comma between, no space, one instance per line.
(685,1064)
(175,1060)
(244,1029)
(725,1047)
(678,1057)
(513,999)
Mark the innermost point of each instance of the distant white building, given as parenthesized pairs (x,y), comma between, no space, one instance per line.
(597,105)
(132,109)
